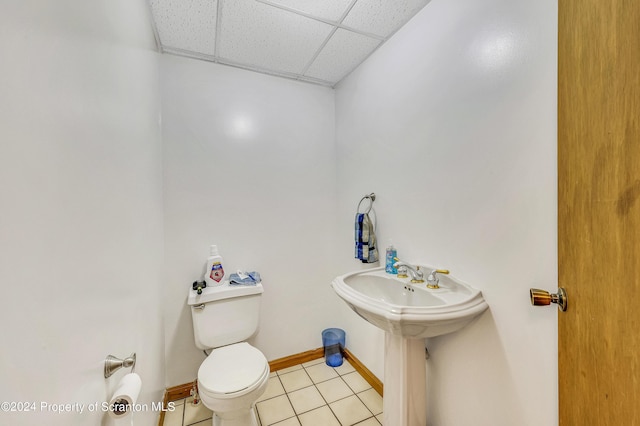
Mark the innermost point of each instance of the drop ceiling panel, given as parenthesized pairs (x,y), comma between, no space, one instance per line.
(318,41)
(326,9)
(382,17)
(263,36)
(344,51)
(186,24)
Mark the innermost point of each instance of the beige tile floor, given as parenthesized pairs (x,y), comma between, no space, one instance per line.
(309,394)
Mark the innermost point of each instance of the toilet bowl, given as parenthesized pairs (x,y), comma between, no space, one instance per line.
(235,374)
(230,381)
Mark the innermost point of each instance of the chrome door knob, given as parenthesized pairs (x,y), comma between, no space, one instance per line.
(543,298)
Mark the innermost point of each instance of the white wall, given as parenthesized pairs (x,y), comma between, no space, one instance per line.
(249,166)
(452,123)
(81,196)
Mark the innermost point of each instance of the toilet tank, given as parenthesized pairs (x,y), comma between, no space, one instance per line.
(225,314)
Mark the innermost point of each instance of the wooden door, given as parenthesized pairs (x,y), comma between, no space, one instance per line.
(599,211)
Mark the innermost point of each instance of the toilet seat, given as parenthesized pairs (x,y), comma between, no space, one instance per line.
(232,371)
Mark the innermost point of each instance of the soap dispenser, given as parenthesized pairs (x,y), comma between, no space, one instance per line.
(214,272)
(391,256)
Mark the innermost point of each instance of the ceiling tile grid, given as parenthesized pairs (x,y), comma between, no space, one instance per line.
(186,24)
(344,52)
(266,37)
(382,17)
(331,10)
(310,40)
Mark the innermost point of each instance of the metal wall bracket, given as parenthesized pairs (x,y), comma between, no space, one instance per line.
(113,364)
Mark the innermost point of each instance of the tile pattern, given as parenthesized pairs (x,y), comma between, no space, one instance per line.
(190,25)
(309,394)
(266,42)
(309,40)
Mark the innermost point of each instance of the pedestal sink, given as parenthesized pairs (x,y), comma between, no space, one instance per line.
(408,312)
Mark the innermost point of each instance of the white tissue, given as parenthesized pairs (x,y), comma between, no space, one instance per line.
(125,396)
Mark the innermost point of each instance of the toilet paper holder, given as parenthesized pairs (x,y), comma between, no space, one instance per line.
(113,364)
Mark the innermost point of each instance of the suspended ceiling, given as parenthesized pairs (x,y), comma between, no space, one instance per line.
(317,41)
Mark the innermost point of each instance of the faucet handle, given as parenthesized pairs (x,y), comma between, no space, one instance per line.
(433,280)
(402,270)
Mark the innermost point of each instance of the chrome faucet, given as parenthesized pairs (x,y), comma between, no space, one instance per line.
(433,280)
(417,276)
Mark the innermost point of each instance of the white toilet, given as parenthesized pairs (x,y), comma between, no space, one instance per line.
(235,374)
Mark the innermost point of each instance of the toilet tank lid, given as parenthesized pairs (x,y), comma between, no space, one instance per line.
(232,368)
(224,291)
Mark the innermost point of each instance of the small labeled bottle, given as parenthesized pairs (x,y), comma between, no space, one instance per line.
(392,253)
(214,272)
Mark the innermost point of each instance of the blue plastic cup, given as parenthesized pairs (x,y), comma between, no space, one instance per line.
(333,340)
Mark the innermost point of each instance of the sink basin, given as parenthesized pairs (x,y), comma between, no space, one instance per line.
(408,312)
(408,309)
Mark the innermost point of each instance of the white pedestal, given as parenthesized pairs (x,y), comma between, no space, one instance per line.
(405,382)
